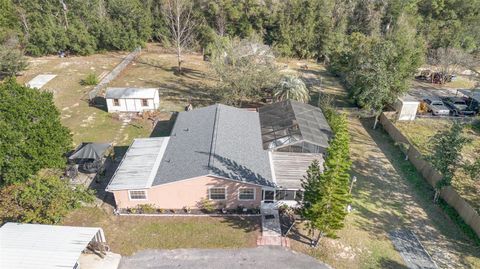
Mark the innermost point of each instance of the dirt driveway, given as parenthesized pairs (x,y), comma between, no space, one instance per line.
(384,179)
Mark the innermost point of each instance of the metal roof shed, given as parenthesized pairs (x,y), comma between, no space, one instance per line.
(406,107)
(132,99)
(37,246)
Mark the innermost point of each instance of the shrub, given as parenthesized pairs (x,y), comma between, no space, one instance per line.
(90,80)
(207,205)
(41,199)
(147,208)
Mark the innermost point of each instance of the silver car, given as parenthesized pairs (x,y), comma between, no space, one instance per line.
(437,107)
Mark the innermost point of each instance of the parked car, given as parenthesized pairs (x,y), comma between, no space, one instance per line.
(473,103)
(458,106)
(436,106)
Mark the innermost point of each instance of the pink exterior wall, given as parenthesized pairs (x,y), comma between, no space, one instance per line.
(189,193)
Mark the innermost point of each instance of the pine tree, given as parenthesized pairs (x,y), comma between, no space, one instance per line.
(327,194)
(445,155)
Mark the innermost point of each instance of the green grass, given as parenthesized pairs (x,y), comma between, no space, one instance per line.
(425,192)
(129,234)
(420,131)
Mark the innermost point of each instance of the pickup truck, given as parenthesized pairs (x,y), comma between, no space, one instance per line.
(458,106)
(436,106)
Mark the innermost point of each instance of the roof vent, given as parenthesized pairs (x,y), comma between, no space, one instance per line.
(186,129)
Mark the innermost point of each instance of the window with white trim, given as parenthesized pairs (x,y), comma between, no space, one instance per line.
(138,195)
(144,102)
(246,194)
(217,193)
(116,102)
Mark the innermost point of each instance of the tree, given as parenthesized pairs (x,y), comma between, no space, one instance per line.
(445,155)
(291,87)
(179,17)
(326,194)
(246,69)
(449,61)
(32,136)
(12,61)
(40,199)
(378,70)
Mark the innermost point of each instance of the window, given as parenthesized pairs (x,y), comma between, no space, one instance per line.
(144,102)
(137,195)
(116,102)
(246,194)
(285,195)
(217,193)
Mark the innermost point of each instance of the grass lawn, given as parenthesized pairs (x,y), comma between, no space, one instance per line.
(86,123)
(420,131)
(128,234)
(156,68)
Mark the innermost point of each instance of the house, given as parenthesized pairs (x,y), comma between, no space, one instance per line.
(39,246)
(132,99)
(232,156)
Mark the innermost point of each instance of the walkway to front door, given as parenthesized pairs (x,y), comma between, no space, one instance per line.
(271,230)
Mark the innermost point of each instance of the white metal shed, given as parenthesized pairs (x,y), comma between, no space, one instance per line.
(406,107)
(132,99)
(38,246)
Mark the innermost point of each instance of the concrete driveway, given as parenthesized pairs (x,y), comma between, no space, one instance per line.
(267,257)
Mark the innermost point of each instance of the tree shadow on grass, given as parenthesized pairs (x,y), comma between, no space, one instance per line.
(245,223)
(412,198)
(391,264)
(298,235)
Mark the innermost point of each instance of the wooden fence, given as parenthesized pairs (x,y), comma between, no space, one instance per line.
(113,74)
(464,209)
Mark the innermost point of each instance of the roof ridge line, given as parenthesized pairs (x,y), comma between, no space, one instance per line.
(214,138)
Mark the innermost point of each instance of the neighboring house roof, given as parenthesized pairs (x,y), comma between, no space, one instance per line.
(90,151)
(130,93)
(291,122)
(216,140)
(39,246)
(139,165)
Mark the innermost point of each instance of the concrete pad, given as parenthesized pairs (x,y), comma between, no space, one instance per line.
(259,258)
(411,250)
(40,81)
(92,261)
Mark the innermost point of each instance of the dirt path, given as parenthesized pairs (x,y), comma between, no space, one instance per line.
(396,204)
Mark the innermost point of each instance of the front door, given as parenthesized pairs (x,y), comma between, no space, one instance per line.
(268,196)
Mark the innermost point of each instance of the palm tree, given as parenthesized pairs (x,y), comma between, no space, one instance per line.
(291,87)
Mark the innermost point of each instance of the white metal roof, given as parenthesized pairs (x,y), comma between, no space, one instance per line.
(130,93)
(407,98)
(37,246)
(140,164)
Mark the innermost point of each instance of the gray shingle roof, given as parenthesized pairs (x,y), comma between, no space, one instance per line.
(216,140)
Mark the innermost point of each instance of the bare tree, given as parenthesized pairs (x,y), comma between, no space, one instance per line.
(246,69)
(179,15)
(449,61)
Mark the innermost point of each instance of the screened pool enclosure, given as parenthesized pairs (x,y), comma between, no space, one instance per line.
(291,126)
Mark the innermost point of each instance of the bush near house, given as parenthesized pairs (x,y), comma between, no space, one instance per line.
(41,199)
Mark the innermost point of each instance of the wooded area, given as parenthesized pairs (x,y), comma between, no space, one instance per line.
(300,28)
